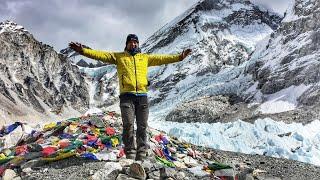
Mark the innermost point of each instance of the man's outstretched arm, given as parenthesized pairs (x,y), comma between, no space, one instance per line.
(156,60)
(93,54)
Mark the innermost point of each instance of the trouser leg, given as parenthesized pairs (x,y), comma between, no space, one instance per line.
(142,112)
(128,116)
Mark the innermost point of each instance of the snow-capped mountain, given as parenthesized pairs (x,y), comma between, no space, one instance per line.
(222,34)
(35,81)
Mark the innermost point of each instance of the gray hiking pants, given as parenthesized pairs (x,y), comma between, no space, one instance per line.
(134,107)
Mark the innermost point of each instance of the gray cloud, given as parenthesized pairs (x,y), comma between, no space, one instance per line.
(97,23)
(100,24)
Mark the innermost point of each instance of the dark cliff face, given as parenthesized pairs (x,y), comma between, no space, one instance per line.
(35,75)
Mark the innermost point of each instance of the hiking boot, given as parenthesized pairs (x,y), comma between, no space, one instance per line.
(141,156)
(130,156)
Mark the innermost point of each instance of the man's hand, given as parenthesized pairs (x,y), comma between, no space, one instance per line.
(76,47)
(185,53)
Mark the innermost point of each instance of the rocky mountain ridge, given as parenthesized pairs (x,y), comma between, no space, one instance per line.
(35,80)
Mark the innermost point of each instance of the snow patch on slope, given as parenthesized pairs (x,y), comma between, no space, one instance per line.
(284,100)
(249,35)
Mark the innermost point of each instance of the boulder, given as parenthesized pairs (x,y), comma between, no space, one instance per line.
(110,171)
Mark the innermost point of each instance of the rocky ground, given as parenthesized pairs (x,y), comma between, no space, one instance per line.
(247,166)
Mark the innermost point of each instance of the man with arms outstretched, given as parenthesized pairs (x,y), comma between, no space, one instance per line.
(132,67)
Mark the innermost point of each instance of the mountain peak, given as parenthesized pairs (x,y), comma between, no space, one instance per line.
(10,26)
(218,20)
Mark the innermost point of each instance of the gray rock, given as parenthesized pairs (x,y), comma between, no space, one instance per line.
(124,162)
(33,163)
(10,174)
(167,173)
(197,171)
(126,170)
(180,175)
(32,155)
(262,177)
(91,172)
(225,172)
(248,177)
(245,172)
(110,171)
(154,174)
(124,177)
(155,164)
(148,166)
(27,170)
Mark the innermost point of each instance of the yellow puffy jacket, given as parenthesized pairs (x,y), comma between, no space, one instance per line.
(132,70)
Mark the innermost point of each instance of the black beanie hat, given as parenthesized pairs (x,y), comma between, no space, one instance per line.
(132,37)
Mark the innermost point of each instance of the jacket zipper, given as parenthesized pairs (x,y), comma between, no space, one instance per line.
(135,72)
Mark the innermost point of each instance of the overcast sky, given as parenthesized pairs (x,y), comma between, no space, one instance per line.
(101,24)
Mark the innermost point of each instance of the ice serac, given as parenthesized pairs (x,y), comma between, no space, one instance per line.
(35,81)
(222,35)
